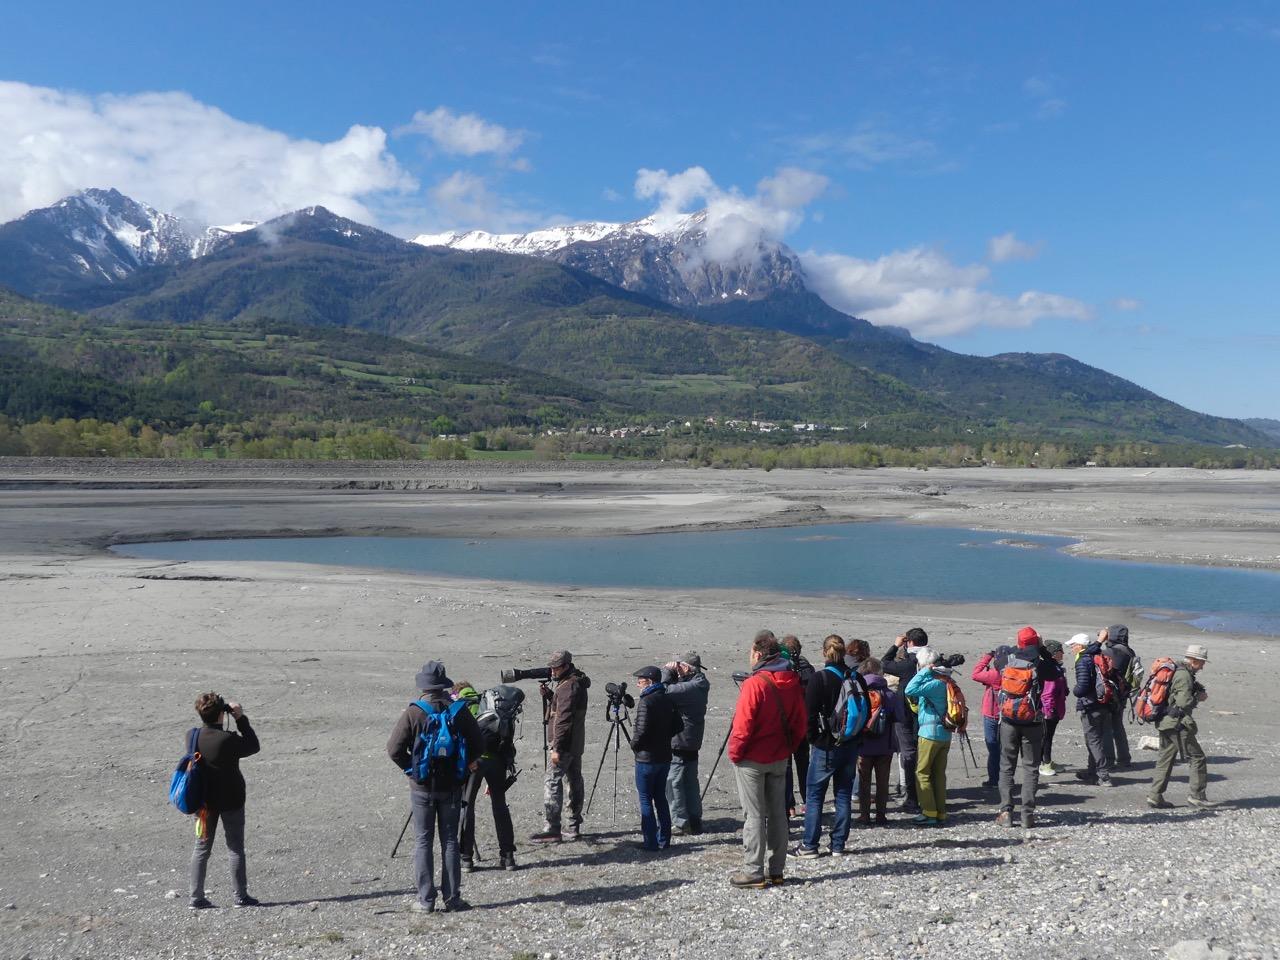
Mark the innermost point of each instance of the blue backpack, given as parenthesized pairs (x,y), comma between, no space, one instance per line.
(186,788)
(849,718)
(438,749)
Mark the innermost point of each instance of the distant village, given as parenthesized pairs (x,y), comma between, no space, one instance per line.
(649,430)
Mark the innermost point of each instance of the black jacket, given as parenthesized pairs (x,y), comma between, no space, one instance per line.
(220,754)
(413,721)
(820,698)
(901,662)
(1085,690)
(657,722)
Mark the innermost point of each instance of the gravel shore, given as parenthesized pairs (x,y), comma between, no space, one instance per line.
(104,656)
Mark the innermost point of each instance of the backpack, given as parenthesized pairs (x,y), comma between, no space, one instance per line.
(1152,702)
(500,708)
(187,787)
(438,750)
(956,718)
(1106,685)
(1019,692)
(1137,675)
(849,718)
(877,714)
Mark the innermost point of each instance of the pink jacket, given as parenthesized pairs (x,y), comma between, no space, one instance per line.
(989,677)
(1053,697)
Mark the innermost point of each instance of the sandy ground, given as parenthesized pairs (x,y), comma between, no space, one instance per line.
(101,657)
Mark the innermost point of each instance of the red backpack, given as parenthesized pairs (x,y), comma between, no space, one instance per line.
(1019,693)
(956,719)
(1152,701)
(1106,685)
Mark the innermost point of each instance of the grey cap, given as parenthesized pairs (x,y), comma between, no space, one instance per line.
(432,676)
(561,658)
(692,659)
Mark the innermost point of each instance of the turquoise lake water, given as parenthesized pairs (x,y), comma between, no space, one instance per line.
(863,560)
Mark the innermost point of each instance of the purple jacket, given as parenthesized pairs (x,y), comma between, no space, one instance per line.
(1053,696)
(887,742)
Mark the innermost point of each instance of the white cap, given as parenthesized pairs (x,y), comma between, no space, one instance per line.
(1079,640)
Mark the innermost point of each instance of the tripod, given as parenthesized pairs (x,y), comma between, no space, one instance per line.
(617,717)
(737,679)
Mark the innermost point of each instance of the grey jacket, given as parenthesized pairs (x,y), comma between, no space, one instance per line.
(690,697)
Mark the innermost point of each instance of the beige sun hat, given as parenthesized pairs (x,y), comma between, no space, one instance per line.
(1197,652)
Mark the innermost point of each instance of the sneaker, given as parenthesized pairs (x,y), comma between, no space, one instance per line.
(247,901)
(456,905)
(424,906)
(508,862)
(1203,802)
(547,836)
(1046,770)
(744,881)
(808,853)
(678,831)
(200,903)
(990,783)
(1159,803)
(1104,781)
(1004,818)
(842,852)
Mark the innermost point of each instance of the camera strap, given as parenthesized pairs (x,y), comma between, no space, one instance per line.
(782,711)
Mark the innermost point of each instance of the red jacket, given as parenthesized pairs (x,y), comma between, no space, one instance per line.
(989,677)
(758,733)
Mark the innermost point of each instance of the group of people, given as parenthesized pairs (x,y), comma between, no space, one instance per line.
(835,728)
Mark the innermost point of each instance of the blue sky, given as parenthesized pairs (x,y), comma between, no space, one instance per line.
(1127,153)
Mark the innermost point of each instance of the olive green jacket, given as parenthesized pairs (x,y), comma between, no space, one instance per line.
(1182,701)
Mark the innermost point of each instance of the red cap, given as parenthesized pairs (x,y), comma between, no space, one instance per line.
(1027,637)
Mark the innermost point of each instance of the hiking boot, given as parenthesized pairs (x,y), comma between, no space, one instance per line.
(572,834)
(468,866)
(1046,770)
(808,853)
(694,828)
(201,903)
(1004,818)
(1159,803)
(247,901)
(1087,778)
(776,879)
(754,881)
(424,906)
(456,905)
(842,852)
(547,836)
(1203,803)
(508,861)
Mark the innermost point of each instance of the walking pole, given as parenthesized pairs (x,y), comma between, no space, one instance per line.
(402,833)
(707,785)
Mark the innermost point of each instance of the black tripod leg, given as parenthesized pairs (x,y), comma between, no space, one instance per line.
(402,833)
(711,775)
(603,756)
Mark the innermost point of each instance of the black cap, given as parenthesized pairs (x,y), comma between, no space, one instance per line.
(652,674)
(432,676)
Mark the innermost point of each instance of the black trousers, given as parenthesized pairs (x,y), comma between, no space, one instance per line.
(492,771)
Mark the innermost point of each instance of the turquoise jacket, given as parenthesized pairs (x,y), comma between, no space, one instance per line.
(930,693)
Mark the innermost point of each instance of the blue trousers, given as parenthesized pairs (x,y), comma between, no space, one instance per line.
(991,734)
(655,813)
(837,767)
(436,813)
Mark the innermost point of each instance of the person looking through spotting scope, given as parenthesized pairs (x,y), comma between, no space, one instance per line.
(565,702)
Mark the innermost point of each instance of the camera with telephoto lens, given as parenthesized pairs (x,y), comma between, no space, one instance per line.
(515,674)
(952,660)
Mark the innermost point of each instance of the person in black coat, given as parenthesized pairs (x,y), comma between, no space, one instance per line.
(902,661)
(220,754)
(657,720)
(1097,719)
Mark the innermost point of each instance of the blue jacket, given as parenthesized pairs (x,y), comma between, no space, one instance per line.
(1086,679)
(929,690)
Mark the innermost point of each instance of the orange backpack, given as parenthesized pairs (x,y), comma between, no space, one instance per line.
(1019,693)
(956,719)
(1106,685)
(1152,701)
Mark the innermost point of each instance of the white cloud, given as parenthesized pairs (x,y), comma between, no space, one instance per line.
(1128,304)
(1008,247)
(465,134)
(866,147)
(925,292)
(183,156)
(465,200)
(736,224)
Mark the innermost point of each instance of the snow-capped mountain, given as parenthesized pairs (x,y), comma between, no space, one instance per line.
(671,258)
(98,236)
